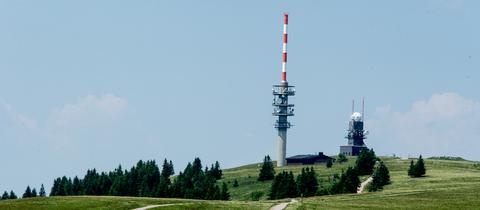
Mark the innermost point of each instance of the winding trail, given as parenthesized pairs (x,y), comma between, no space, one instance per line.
(363,185)
(155,206)
(282,206)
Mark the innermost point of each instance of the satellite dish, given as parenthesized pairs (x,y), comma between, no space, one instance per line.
(356,116)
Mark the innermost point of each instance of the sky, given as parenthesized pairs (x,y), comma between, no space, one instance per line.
(94,84)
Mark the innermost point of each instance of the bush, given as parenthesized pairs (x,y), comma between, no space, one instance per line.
(341,158)
(256,195)
(446,158)
(329,163)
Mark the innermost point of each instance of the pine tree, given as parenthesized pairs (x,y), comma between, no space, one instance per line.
(329,163)
(411,169)
(216,171)
(380,177)
(235,183)
(76,186)
(311,182)
(55,187)
(349,180)
(5,195)
(366,161)
(420,167)
(42,192)
(12,195)
(34,193)
(167,168)
(302,182)
(224,194)
(267,172)
(28,193)
(283,186)
(417,169)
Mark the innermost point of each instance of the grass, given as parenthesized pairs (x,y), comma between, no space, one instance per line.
(122,203)
(247,178)
(449,184)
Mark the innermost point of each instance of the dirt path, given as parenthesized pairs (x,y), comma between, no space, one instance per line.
(282,206)
(363,185)
(155,206)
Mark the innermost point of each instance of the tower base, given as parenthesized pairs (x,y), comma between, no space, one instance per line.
(351,150)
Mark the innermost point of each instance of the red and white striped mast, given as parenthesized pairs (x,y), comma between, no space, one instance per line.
(282,108)
(284,51)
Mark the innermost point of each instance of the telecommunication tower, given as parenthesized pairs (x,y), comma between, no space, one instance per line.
(356,134)
(282,109)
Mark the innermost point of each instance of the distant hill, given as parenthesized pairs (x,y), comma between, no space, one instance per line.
(449,184)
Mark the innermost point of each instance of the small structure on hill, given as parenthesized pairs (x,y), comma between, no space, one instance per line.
(308,159)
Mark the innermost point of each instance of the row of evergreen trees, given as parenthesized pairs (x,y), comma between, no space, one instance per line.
(29,193)
(146,180)
(7,196)
(284,184)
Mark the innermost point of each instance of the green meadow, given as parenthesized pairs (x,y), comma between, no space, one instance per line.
(449,184)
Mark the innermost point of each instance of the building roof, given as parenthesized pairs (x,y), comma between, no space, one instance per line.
(300,157)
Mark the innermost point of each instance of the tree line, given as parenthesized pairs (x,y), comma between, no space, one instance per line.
(29,193)
(145,179)
(285,184)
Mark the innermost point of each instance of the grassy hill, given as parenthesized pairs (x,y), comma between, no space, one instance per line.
(123,203)
(247,178)
(449,184)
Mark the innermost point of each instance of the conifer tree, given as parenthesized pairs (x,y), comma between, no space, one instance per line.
(34,193)
(76,186)
(28,193)
(216,171)
(224,194)
(380,177)
(411,169)
(302,182)
(366,161)
(235,183)
(349,180)
(55,187)
(420,167)
(283,186)
(417,169)
(163,189)
(12,195)
(267,172)
(5,195)
(42,192)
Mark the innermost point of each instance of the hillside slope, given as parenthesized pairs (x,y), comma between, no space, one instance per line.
(448,185)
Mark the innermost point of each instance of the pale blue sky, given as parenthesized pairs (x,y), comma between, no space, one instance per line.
(87,84)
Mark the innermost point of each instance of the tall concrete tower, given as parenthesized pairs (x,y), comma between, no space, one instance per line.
(282,109)
(356,134)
